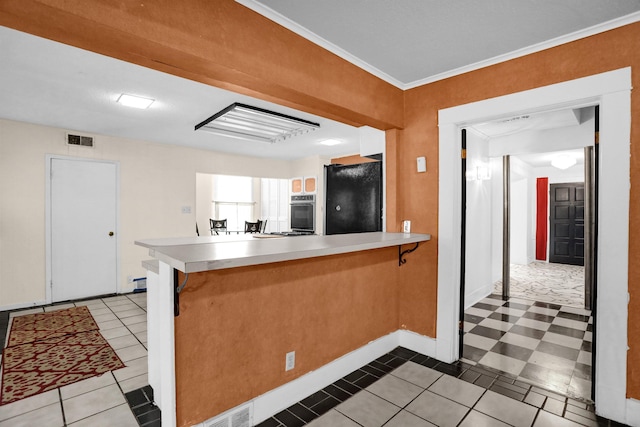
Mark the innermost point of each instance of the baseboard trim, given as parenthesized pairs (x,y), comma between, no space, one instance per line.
(280,398)
(633,412)
(416,342)
(23,305)
(477,296)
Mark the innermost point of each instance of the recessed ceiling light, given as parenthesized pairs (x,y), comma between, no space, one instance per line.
(330,142)
(563,161)
(135,101)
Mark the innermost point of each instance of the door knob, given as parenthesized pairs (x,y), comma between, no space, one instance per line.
(338,208)
(110,233)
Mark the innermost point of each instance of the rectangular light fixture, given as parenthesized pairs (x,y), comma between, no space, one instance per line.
(330,142)
(135,101)
(247,122)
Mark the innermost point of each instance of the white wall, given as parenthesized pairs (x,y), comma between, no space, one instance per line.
(478,280)
(522,231)
(204,202)
(156,180)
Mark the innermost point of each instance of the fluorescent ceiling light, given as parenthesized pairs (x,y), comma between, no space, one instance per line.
(135,101)
(563,161)
(330,142)
(247,122)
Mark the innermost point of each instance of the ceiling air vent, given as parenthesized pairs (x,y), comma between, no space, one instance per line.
(85,141)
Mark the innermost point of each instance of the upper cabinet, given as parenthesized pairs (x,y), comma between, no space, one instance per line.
(296,185)
(310,184)
(304,185)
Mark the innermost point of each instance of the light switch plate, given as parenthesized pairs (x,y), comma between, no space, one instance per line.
(422,164)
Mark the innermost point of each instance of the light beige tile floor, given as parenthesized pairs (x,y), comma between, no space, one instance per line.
(97,401)
(442,400)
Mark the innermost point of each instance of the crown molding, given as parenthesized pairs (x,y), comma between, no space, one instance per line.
(278,18)
(271,14)
(576,35)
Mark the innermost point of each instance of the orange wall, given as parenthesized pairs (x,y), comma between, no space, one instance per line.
(236,325)
(418,194)
(351,160)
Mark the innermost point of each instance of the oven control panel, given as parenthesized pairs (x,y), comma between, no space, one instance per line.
(303,198)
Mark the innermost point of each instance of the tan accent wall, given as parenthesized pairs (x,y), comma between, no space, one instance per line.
(236,326)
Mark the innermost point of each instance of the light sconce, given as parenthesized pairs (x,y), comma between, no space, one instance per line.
(484,173)
(563,161)
(479,173)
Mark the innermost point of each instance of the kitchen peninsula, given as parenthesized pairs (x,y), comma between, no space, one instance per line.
(244,302)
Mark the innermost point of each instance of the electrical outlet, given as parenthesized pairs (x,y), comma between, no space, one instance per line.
(186,209)
(290,361)
(406,226)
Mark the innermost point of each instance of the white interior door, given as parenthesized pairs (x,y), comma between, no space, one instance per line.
(83,228)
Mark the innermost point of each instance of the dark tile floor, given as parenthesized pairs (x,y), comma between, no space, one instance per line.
(141,403)
(541,343)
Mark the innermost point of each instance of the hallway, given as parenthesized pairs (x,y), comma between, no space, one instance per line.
(560,284)
(544,344)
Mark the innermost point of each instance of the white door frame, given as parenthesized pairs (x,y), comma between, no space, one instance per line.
(612,91)
(48,257)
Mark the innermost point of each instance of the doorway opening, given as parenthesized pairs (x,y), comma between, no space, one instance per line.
(610,90)
(528,326)
(547,222)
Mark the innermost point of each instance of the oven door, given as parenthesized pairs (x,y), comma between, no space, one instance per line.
(303,217)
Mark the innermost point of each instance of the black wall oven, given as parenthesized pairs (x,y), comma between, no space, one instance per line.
(303,213)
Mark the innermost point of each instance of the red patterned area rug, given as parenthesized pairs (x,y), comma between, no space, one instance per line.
(41,362)
(36,327)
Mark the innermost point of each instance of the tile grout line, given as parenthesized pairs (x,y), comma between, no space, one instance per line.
(64,418)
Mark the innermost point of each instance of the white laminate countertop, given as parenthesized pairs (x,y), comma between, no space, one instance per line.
(195,254)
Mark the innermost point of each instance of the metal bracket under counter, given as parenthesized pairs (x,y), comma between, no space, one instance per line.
(401,253)
(176,291)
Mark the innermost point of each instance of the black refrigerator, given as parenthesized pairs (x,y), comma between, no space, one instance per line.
(353,198)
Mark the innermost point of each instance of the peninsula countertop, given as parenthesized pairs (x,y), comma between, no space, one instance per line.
(196,254)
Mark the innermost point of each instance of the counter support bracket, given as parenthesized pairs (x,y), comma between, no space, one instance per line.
(176,294)
(401,253)
(176,291)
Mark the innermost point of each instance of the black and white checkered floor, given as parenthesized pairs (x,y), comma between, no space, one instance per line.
(539,343)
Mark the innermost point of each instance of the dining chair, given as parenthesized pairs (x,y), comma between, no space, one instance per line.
(252,227)
(218,225)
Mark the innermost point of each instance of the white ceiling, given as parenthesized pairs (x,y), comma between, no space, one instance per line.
(544,159)
(406,43)
(52,84)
